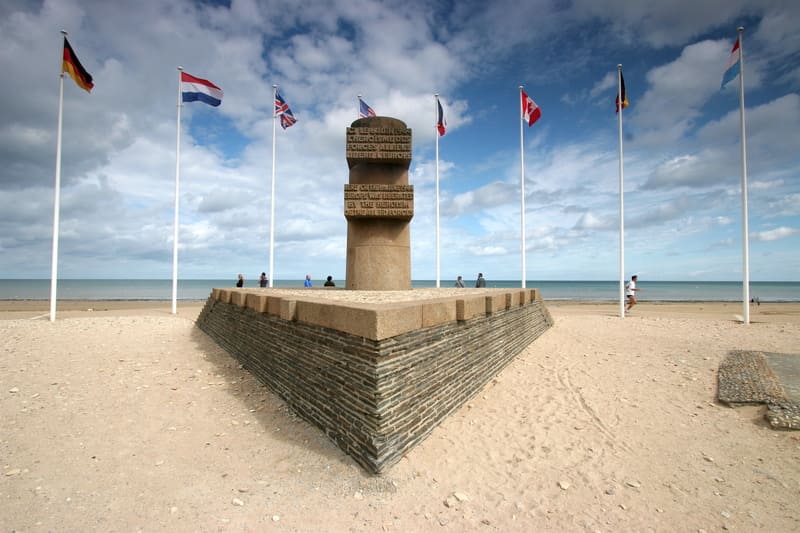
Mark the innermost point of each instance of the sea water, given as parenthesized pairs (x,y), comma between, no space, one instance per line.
(199,289)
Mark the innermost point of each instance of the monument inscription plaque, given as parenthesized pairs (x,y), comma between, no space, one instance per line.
(378,204)
(379,200)
(385,145)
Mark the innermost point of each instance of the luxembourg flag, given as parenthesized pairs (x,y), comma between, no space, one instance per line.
(733,65)
(200,90)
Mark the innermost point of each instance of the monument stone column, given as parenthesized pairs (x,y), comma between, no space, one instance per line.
(378,205)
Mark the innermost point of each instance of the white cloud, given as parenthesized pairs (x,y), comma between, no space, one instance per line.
(770,130)
(489,250)
(774,234)
(593,222)
(677,90)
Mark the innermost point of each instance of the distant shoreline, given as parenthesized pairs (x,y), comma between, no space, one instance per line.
(573,291)
(577,301)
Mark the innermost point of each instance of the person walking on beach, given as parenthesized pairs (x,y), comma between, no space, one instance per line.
(459,282)
(240,281)
(630,292)
(480,282)
(263,281)
(307,282)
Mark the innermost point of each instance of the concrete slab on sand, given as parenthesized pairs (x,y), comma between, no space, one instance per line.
(751,377)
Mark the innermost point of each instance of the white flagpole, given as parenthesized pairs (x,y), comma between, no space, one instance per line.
(57,195)
(272,192)
(177,203)
(522,187)
(621,202)
(358,108)
(745,232)
(436,135)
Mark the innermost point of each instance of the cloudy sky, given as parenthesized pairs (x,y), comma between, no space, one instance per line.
(683,210)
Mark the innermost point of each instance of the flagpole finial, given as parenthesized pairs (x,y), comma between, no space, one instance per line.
(619,66)
(740,29)
(274,85)
(359,97)
(180,67)
(64,33)
(521,87)
(436,95)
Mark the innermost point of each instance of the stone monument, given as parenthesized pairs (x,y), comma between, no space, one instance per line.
(378,205)
(376,372)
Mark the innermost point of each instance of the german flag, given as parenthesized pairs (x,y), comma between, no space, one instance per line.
(73,67)
(624,93)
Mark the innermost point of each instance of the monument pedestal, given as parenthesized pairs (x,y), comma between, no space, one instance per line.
(377,371)
(378,255)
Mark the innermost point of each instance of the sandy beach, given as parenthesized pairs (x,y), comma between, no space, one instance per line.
(120,416)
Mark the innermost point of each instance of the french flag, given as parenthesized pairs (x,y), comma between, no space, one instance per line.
(441,123)
(733,65)
(200,90)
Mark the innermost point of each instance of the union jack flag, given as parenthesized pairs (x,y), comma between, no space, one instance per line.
(282,110)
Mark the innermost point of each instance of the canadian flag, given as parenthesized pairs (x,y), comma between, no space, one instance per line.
(530,111)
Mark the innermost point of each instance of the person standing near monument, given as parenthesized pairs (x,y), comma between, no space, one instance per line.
(240,281)
(459,282)
(480,283)
(263,281)
(329,282)
(307,282)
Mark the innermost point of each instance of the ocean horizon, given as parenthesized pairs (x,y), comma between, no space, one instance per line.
(570,290)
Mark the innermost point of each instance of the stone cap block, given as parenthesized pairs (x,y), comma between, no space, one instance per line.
(239,297)
(274,305)
(438,312)
(372,322)
(467,308)
(224,295)
(257,302)
(288,309)
(495,302)
(524,297)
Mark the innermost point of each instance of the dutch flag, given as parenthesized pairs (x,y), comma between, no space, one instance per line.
(200,90)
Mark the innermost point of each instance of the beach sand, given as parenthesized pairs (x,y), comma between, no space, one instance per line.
(128,418)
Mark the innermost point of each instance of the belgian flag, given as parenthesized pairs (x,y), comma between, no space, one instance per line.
(623,92)
(73,67)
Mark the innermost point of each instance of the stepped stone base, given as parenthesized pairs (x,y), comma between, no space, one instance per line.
(376,376)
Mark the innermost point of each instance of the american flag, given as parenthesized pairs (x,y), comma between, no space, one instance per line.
(282,110)
(365,110)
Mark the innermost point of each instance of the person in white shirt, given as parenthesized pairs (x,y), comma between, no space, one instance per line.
(630,292)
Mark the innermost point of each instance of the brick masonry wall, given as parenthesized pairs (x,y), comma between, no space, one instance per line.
(376,399)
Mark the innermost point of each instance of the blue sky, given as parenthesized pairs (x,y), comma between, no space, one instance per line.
(683,216)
